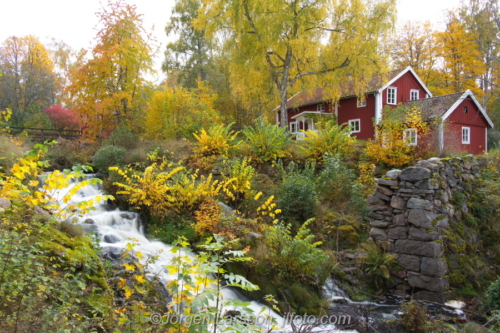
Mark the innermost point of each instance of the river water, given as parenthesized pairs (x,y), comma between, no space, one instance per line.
(115,228)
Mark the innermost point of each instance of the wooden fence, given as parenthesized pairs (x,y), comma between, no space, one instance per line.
(42,134)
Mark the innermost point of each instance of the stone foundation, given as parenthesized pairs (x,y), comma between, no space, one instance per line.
(410,208)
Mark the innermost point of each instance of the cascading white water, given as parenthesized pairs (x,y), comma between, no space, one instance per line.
(116,228)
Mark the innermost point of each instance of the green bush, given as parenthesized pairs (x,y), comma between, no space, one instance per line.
(65,154)
(267,142)
(493,294)
(297,196)
(123,137)
(337,187)
(108,156)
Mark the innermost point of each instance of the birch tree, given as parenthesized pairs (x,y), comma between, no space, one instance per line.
(277,46)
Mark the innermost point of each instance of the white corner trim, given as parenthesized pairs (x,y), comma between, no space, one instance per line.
(441,137)
(403,72)
(378,107)
(461,99)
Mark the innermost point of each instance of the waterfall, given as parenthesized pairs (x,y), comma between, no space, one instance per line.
(115,228)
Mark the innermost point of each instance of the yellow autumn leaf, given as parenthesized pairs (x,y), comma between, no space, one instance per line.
(129,267)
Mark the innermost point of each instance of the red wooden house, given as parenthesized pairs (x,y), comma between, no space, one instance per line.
(464,123)
(363,113)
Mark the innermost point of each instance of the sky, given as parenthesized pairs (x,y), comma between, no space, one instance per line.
(74,21)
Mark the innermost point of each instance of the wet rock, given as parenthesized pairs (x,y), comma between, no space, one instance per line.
(90,228)
(89,221)
(425,295)
(112,253)
(414,174)
(112,238)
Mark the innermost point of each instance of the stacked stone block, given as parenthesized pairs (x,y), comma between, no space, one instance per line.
(409,211)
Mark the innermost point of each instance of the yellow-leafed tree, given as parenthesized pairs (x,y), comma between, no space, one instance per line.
(179,112)
(108,88)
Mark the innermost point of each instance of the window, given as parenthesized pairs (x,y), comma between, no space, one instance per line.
(410,136)
(465,135)
(294,127)
(361,103)
(391,95)
(466,109)
(355,125)
(414,94)
(321,107)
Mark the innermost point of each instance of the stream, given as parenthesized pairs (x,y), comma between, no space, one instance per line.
(115,228)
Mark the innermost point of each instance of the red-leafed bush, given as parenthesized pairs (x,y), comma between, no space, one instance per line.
(62,118)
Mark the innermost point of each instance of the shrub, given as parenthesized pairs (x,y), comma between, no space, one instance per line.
(108,156)
(330,140)
(295,256)
(493,295)
(391,147)
(297,194)
(268,142)
(337,186)
(211,144)
(377,262)
(62,118)
(66,153)
(238,183)
(123,137)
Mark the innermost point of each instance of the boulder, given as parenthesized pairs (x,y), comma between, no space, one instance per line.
(397,233)
(416,203)
(384,190)
(5,203)
(415,174)
(425,295)
(409,262)
(428,165)
(438,285)
(381,196)
(399,219)
(112,238)
(422,218)
(375,216)
(398,203)
(386,182)
(422,235)
(373,200)
(380,224)
(378,234)
(419,248)
(393,174)
(433,267)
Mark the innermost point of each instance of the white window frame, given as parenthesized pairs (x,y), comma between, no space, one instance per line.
(296,125)
(320,107)
(392,93)
(466,135)
(414,93)
(352,125)
(361,103)
(410,136)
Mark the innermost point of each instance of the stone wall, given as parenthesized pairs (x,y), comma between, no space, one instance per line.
(410,209)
